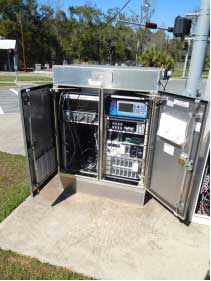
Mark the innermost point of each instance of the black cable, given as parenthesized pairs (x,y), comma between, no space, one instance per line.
(161,84)
(166,84)
(121,9)
(73,123)
(101,30)
(61,119)
(73,141)
(164,87)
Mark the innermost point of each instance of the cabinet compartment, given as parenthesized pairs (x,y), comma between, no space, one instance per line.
(127,118)
(79,123)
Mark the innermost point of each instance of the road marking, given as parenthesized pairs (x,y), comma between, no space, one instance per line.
(14,91)
(1,110)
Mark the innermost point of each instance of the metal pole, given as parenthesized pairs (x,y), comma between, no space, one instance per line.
(186,61)
(22,42)
(200,40)
(8,61)
(15,66)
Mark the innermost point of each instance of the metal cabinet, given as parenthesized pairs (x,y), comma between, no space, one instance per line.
(176,131)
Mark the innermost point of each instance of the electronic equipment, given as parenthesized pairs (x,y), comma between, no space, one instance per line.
(126,138)
(123,167)
(128,108)
(123,126)
(80,120)
(82,96)
(81,117)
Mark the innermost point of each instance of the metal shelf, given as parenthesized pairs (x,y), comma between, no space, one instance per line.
(81,122)
(122,177)
(128,119)
(125,132)
(126,157)
(88,172)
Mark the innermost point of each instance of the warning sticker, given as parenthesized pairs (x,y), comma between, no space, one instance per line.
(181,103)
(198,127)
(169,149)
(170,103)
(135,167)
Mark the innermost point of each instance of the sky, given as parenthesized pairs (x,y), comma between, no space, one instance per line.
(164,14)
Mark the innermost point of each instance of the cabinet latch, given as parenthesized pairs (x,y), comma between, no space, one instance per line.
(25,99)
(185,162)
(161,101)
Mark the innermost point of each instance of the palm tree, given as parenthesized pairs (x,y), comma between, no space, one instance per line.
(154,57)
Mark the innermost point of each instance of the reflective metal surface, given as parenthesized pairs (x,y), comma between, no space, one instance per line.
(171,175)
(109,77)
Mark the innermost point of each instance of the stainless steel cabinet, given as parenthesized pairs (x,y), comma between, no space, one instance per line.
(175,134)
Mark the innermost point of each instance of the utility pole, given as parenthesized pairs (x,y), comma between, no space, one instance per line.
(200,40)
(146,13)
(146,10)
(22,42)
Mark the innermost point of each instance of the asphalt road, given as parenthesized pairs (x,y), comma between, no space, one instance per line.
(9,100)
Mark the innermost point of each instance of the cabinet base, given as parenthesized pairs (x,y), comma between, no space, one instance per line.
(102,188)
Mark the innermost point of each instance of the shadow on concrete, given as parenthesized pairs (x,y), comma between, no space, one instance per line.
(207,277)
(63,196)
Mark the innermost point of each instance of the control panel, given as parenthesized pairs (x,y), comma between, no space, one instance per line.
(128,108)
(125,126)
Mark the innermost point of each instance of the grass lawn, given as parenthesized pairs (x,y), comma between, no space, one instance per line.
(16,267)
(34,78)
(13,190)
(3,84)
(13,183)
(177,73)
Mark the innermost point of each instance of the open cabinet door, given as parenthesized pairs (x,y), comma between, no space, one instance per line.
(39,130)
(178,122)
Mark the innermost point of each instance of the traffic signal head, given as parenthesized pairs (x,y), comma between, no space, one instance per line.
(182,27)
(11,51)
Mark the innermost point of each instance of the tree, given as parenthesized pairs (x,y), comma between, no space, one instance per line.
(84,32)
(154,57)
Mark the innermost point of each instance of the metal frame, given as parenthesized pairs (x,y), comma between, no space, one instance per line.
(29,175)
(201,158)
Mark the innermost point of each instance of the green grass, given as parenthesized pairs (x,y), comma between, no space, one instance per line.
(2,84)
(13,183)
(16,267)
(34,78)
(177,73)
(13,190)
(11,78)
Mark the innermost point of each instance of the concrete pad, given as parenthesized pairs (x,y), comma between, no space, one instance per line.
(106,239)
(11,137)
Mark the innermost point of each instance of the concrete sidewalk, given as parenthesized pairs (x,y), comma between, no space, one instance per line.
(106,239)
(11,137)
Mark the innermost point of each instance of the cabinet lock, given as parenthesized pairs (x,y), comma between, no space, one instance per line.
(185,162)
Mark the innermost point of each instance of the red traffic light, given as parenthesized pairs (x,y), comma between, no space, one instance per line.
(151,25)
(10,51)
